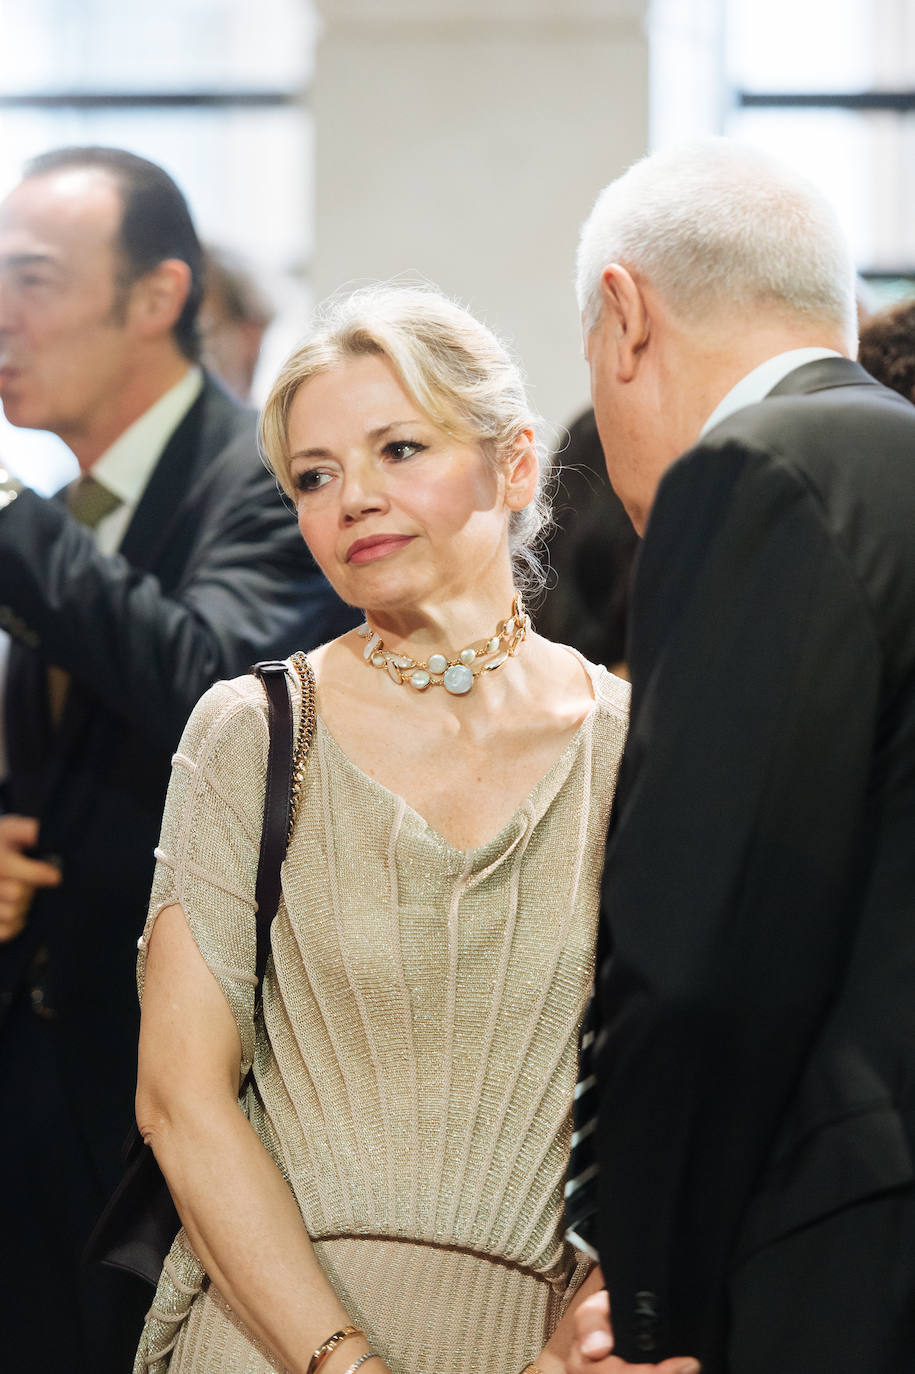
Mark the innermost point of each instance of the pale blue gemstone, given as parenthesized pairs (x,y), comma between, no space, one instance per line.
(458,680)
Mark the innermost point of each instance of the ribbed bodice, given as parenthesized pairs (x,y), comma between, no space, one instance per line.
(415,1064)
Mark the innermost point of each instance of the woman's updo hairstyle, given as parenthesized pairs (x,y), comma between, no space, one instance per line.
(454,369)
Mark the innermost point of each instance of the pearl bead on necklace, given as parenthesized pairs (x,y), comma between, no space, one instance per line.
(456,675)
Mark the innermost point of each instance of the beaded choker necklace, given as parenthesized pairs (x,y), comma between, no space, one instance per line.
(456,675)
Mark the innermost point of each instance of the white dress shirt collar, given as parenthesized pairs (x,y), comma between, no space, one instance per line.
(758,383)
(127,465)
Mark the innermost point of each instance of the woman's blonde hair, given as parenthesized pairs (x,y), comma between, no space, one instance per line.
(452,367)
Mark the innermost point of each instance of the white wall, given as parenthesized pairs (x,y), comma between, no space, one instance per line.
(466,141)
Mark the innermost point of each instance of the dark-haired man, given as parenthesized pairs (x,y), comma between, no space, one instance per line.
(170,562)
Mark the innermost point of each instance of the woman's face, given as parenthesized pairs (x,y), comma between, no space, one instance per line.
(395,512)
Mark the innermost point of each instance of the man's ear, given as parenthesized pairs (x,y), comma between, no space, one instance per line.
(158,297)
(522,471)
(627,317)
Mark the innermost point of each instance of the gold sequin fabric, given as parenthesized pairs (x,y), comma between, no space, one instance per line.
(417,1053)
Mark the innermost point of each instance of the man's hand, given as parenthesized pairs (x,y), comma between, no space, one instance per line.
(593,1345)
(20,875)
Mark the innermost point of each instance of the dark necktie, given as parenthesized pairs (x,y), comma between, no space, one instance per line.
(88,501)
(581,1178)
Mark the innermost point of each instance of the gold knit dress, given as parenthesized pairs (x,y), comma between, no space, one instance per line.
(414,1067)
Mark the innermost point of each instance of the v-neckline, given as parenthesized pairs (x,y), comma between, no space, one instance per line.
(528,804)
(467,855)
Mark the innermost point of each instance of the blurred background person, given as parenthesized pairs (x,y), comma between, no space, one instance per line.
(886,347)
(168,563)
(590,548)
(235,314)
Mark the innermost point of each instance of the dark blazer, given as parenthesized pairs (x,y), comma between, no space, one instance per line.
(756,977)
(212,575)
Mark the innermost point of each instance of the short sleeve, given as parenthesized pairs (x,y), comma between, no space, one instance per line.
(206,859)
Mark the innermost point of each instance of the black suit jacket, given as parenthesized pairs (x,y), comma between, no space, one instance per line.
(756,974)
(212,575)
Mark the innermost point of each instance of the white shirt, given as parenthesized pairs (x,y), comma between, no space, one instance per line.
(758,383)
(125,469)
(127,465)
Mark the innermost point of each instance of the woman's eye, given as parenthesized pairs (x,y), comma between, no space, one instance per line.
(310,480)
(399,449)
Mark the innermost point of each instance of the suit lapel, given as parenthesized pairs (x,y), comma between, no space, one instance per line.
(158,507)
(205,429)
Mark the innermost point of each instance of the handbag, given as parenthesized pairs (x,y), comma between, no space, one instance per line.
(136,1230)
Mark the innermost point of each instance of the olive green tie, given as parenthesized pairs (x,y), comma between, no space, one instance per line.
(88,501)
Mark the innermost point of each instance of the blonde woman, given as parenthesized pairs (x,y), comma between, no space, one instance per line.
(393,1192)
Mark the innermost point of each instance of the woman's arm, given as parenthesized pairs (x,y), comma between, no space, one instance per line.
(238,1211)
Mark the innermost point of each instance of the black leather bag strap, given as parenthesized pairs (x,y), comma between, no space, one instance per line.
(275,829)
(137,1227)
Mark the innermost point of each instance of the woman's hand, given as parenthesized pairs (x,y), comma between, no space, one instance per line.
(592,1344)
(20,875)
(555,1354)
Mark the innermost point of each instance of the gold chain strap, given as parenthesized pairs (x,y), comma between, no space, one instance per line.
(305,734)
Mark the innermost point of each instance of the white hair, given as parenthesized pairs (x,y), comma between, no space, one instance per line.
(717,226)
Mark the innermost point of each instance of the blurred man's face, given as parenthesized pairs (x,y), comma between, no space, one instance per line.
(64,341)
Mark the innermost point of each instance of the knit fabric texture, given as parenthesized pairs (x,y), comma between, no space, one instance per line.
(416,1057)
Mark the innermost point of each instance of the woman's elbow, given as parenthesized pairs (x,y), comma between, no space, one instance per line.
(155,1111)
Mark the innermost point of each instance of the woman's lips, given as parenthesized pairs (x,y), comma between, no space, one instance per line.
(376,546)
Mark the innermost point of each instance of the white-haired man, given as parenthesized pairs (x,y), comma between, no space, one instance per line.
(755,993)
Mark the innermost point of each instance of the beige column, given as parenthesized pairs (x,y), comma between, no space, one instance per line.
(465,140)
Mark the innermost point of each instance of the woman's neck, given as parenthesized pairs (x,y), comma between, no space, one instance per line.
(446,627)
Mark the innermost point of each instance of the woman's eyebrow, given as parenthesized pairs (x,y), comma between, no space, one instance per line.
(373,434)
(382,430)
(310,453)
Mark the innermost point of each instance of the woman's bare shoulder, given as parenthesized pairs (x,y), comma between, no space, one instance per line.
(578,674)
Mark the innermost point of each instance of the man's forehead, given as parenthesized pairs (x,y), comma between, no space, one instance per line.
(73,207)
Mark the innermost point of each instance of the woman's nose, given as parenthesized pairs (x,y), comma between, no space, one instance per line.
(363,492)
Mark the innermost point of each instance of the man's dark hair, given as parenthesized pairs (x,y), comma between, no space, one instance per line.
(156,223)
(887,348)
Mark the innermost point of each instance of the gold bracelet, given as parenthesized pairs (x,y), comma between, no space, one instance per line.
(325,1349)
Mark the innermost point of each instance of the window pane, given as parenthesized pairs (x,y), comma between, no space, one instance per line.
(247,173)
(98,45)
(800,45)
